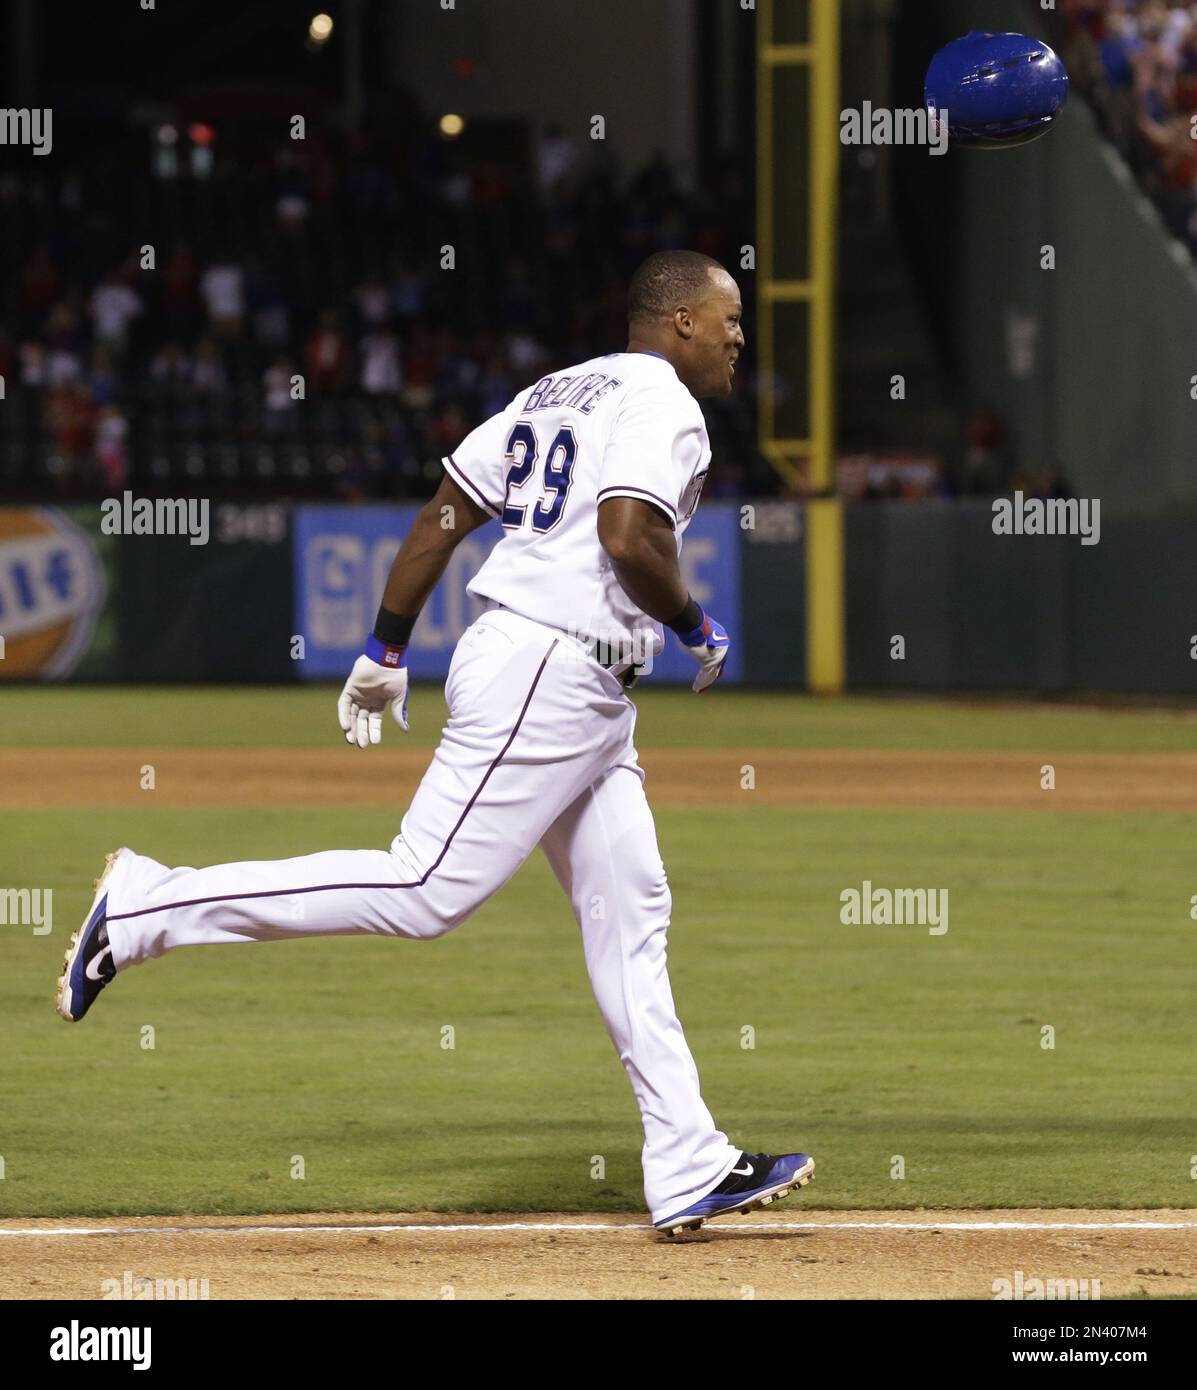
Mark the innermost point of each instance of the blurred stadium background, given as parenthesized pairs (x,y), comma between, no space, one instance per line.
(909,356)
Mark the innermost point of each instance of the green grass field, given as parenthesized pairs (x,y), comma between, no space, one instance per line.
(302,717)
(870,1042)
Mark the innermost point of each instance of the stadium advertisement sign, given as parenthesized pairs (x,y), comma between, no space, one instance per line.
(342,556)
(53,590)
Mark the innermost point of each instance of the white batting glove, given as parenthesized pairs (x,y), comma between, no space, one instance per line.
(371,686)
(707,644)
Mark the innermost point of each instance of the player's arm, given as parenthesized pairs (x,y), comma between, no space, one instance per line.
(379,677)
(439,526)
(640,542)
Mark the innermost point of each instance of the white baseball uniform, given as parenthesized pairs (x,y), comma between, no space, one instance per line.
(538,750)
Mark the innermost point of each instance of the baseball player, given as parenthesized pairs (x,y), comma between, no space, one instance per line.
(594,473)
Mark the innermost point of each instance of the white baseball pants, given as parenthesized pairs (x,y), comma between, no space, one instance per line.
(538,750)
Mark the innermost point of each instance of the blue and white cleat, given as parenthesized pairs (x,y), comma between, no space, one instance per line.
(756,1181)
(88,965)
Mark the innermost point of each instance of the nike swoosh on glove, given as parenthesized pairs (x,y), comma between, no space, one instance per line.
(370,688)
(707,644)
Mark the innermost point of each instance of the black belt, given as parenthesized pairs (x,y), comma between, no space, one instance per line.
(598,650)
(601,650)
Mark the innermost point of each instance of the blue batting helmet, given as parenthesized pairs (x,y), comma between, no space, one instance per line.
(996,90)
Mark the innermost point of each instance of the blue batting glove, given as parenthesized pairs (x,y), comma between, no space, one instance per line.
(707,644)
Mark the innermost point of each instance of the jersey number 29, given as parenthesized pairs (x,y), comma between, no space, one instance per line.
(522,454)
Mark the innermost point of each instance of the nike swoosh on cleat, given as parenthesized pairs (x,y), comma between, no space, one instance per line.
(743,1172)
(90,969)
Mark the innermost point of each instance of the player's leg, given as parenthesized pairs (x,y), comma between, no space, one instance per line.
(522,739)
(603,849)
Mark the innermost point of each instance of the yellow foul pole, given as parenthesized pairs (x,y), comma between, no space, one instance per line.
(817,51)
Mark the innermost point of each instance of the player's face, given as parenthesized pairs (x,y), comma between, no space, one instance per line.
(718,337)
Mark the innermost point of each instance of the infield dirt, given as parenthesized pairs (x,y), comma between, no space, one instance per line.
(438,1255)
(939,780)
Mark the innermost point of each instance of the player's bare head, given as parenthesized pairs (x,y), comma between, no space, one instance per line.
(667,281)
(687,307)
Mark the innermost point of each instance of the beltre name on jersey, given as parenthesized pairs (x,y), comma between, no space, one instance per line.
(616,426)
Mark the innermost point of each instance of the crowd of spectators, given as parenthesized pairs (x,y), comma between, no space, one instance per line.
(156,322)
(1136,61)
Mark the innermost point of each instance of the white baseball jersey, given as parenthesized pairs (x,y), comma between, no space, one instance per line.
(616,426)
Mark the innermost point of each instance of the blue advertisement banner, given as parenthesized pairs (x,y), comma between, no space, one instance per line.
(343,554)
